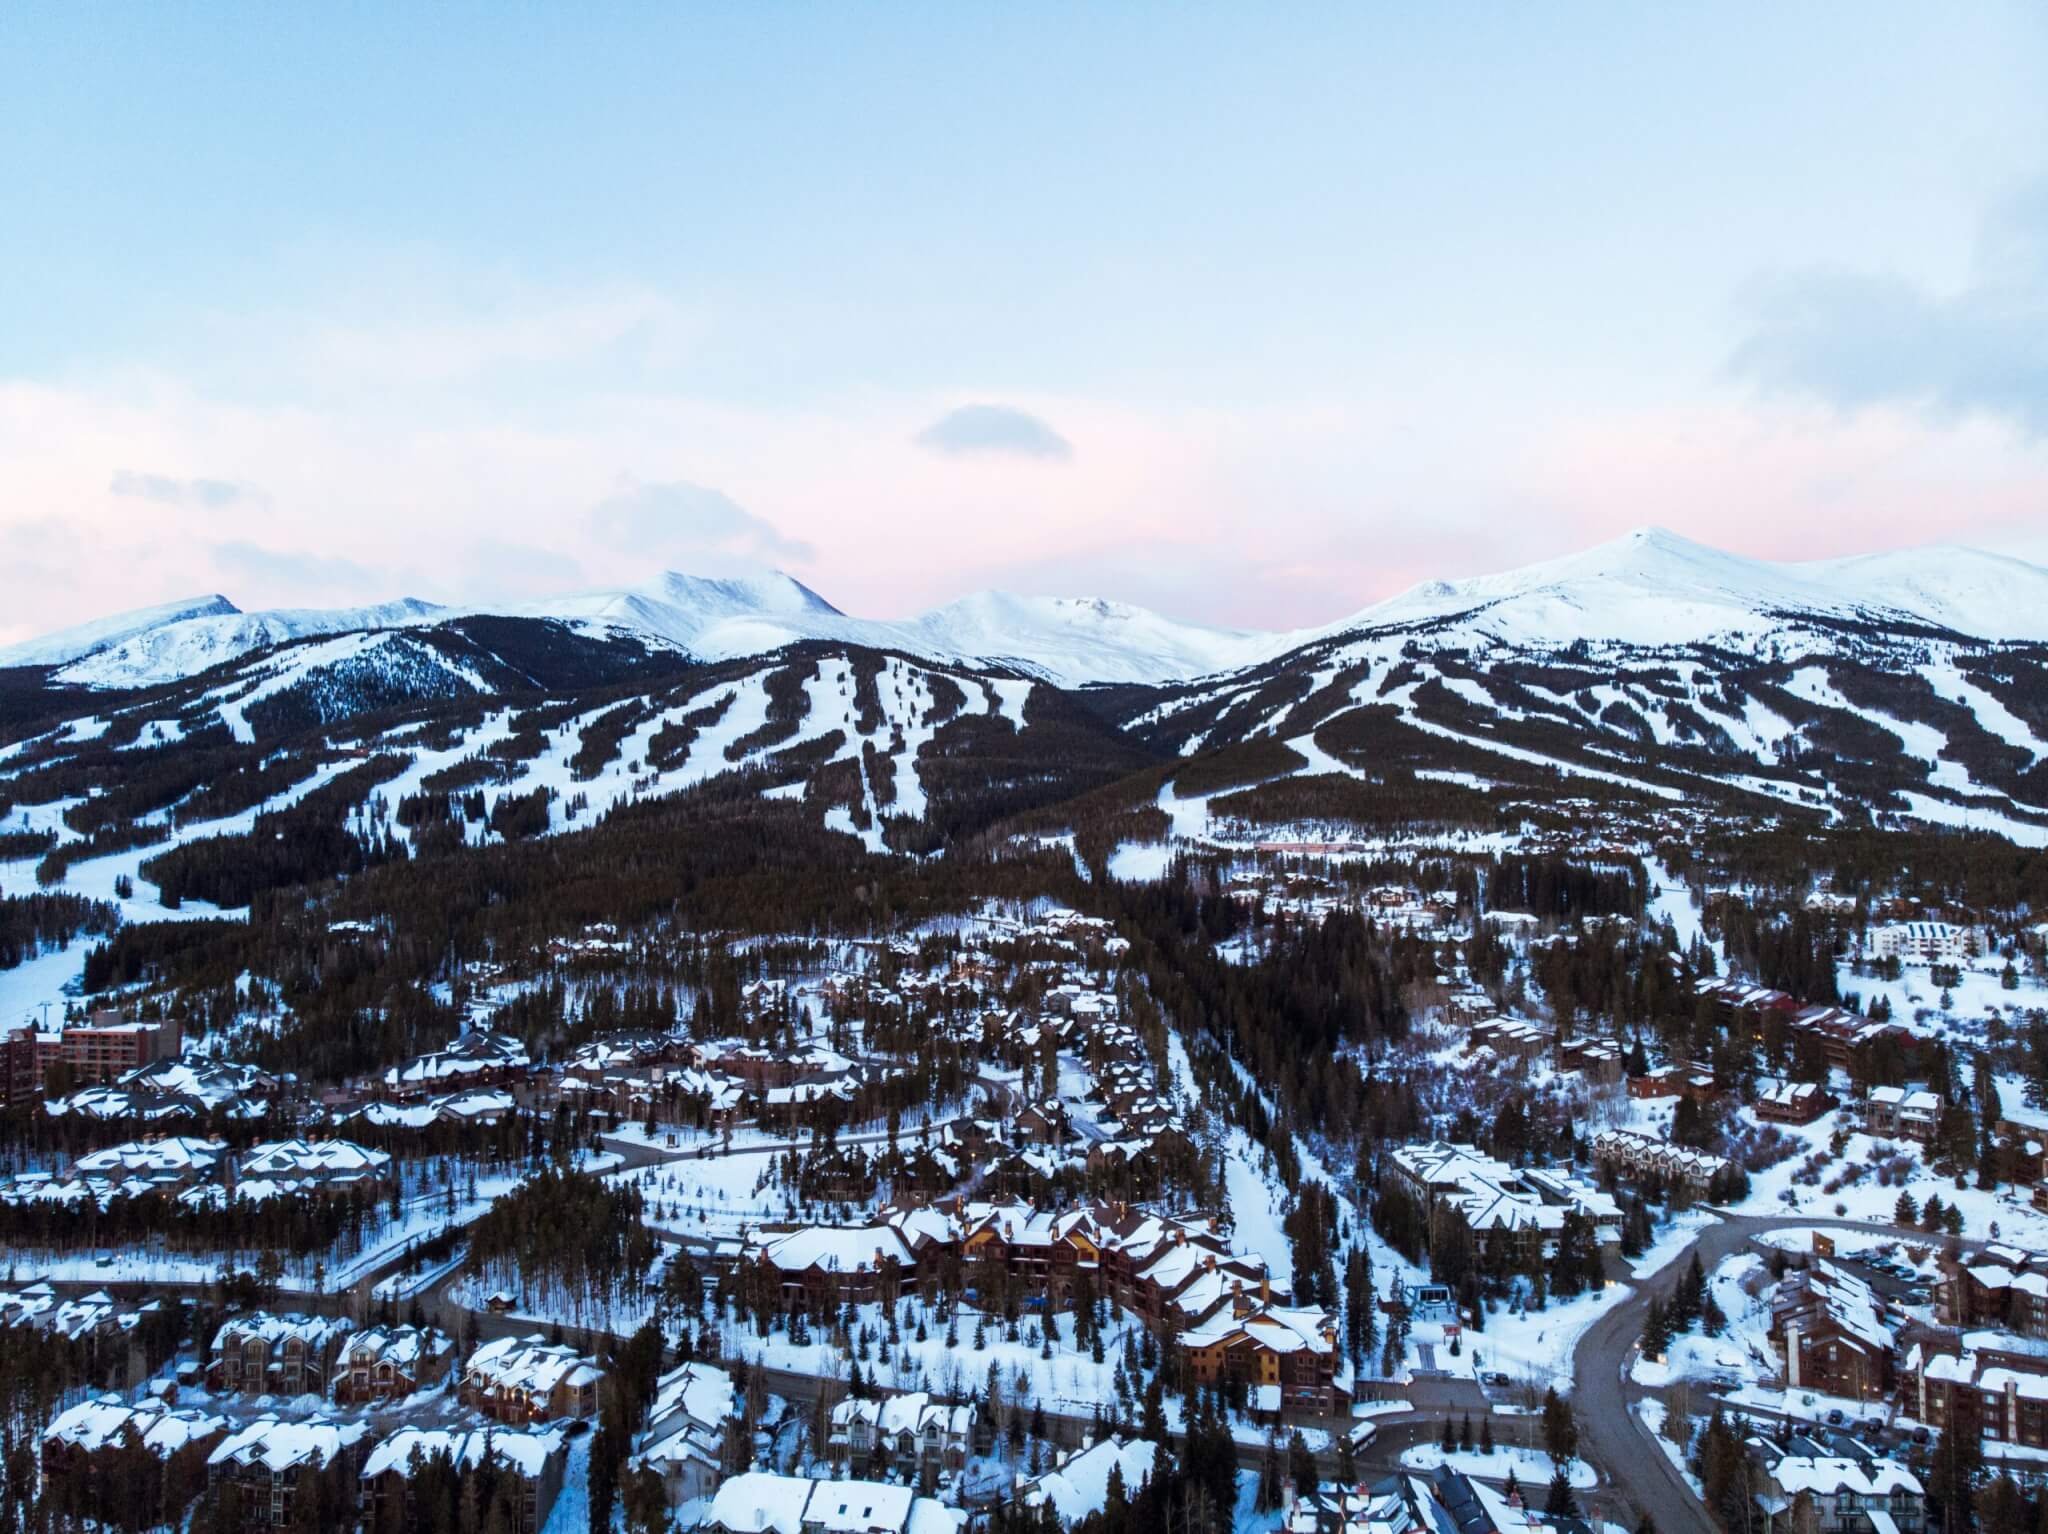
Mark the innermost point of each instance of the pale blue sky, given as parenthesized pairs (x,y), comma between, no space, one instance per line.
(1316,301)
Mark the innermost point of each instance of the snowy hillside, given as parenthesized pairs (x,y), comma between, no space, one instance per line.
(187,646)
(90,638)
(1653,588)
(1650,589)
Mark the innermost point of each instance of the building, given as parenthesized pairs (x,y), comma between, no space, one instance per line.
(1516,1215)
(521,1380)
(1078,1484)
(270,1462)
(1984,1385)
(79,1437)
(316,1167)
(901,1434)
(685,1439)
(474,1060)
(1795,1102)
(262,1354)
(1286,1359)
(820,1267)
(760,1502)
(1899,1113)
(1643,1156)
(388,1363)
(107,1047)
(1850,1494)
(1925,942)
(532,1458)
(1832,1333)
(2003,1288)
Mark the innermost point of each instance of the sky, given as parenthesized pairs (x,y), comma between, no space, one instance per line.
(1252,314)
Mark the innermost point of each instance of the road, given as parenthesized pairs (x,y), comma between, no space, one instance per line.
(1611,1435)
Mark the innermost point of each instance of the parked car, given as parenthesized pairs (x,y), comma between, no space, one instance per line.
(1835,1417)
(1498,1380)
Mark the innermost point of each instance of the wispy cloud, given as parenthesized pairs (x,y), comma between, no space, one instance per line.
(168,490)
(1855,339)
(677,521)
(973,429)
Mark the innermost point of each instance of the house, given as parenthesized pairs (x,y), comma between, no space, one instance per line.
(78,1439)
(1897,1112)
(314,1167)
(2003,1287)
(532,1459)
(1831,1331)
(174,1161)
(480,1059)
(685,1439)
(270,1463)
(1984,1385)
(1645,1156)
(1849,1494)
(817,1267)
(1675,1081)
(1287,1359)
(1795,1102)
(388,1363)
(901,1433)
(1925,942)
(524,1379)
(263,1354)
(1078,1484)
(760,1502)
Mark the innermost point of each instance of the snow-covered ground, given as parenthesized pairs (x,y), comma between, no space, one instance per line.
(1532,1467)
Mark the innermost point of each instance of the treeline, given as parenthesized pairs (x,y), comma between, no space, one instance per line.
(564,1235)
(1565,889)
(31,923)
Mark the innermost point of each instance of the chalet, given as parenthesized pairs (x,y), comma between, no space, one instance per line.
(1287,1360)
(687,1424)
(174,1161)
(479,1059)
(534,1458)
(314,1167)
(1520,1214)
(901,1434)
(1675,1081)
(816,1267)
(1795,1102)
(524,1379)
(1982,1385)
(263,1354)
(1831,1332)
(1897,1112)
(388,1363)
(2003,1287)
(762,1502)
(1077,1486)
(1640,1156)
(1598,1060)
(83,1434)
(1849,1494)
(268,1460)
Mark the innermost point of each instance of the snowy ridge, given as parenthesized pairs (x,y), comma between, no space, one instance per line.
(1650,588)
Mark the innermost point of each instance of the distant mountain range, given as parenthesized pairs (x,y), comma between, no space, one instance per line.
(1648,589)
(1651,678)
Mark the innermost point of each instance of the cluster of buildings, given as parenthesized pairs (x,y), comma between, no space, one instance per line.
(1181,1277)
(200,1173)
(1516,1214)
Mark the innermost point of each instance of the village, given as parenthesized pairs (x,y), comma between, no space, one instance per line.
(957,1223)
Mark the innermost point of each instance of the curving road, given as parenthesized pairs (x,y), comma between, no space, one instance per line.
(1611,1434)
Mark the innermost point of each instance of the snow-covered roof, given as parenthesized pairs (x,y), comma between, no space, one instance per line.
(530,1364)
(162,1429)
(526,1452)
(1825,1476)
(1080,1486)
(279,1445)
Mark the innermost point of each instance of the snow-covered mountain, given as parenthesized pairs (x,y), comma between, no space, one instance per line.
(1648,589)
(103,633)
(1654,588)
(189,645)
